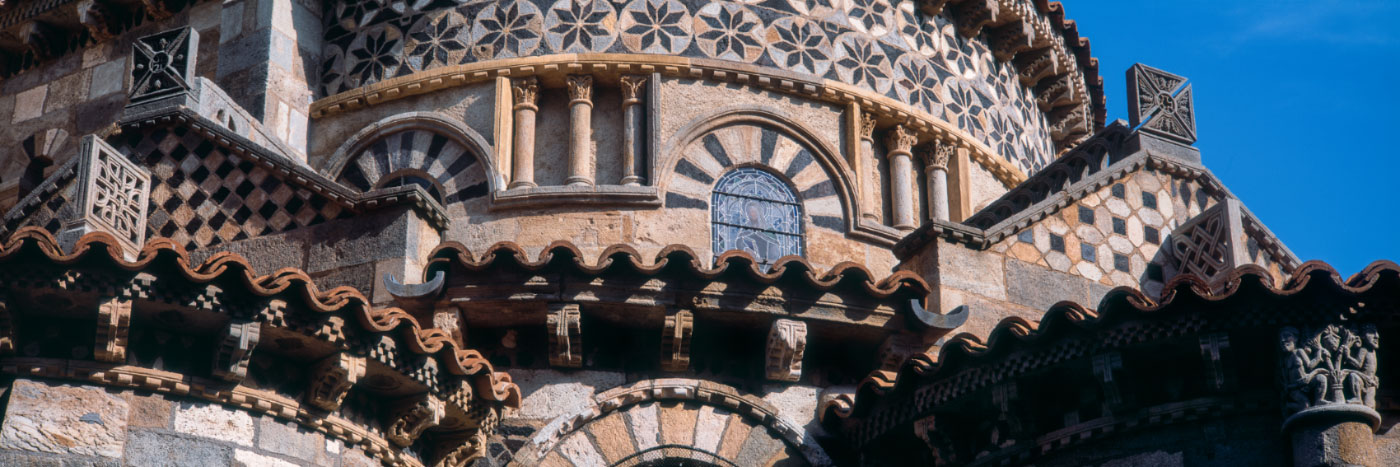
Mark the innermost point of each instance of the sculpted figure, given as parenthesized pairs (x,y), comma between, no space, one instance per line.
(1361,366)
(1304,383)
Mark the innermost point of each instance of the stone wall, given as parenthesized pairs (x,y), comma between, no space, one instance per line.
(51,423)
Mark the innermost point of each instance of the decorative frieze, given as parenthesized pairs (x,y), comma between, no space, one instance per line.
(1161,103)
(163,64)
(675,341)
(113,324)
(1333,364)
(413,415)
(787,340)
(235,350)
(565,336)
(332,379)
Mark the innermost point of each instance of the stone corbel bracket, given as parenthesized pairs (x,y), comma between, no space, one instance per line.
(414,415)
(787,340)
(675,340)
(565,335)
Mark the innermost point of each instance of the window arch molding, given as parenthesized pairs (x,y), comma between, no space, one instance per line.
(835,167)
(756,210)
(433,122)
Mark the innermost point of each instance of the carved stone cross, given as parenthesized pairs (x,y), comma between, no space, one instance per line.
(1161,103)
(163,65)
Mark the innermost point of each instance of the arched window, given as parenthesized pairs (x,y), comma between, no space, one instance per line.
(756,212)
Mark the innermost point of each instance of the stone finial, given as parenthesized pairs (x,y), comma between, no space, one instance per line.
(565,336)
(1332,364)
(93,15)
(1161,104)
(235,350)
(867,126)
(936,156)
(580,88)
(162,65)
(332,379)
(633,86)
(787,340)
(675,341)
(113,324)
(901,140)
(413,415)
(113,197)
(526,92)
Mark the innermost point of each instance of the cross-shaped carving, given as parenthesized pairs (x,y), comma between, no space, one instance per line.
(163,64)
(1161,103)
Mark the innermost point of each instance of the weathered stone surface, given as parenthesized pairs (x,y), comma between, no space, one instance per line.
(709,429)
(979,272)
(148,411)
(243,458)
(1039,288)
(579,449)
(160,450)
(736,431)
(795,403)
(353,457)
(64,419)
(25,459)
(1148,459)
(645,424)
(29,104)
(284,438)
(610,433)
(678,423)
(758,448)
(549,393)
(215,421)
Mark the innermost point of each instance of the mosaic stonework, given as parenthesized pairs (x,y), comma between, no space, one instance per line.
(442,167)
(897,51)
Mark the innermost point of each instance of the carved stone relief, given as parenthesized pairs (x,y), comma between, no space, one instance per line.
(414,415)
(114,196)
(565,337)
(787,340)
(332,380)
(1205,245)
(1334,364)
(675,341)
(235,350)
(1159,102)
(163,64)
(113,323)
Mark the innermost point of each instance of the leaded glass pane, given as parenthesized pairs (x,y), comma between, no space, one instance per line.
(755,212)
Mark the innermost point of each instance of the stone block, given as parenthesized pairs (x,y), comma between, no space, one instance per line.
(148,411)
(216,422)
(758,448)
(1039,288)
(29,103)
(353,457)
(148,448)
(736,431)
(64,419)
(107,78)
(67,91)
(643,420)
(21,459)
(550,393)
(796,404)
(231,21)
(284,438)
(579,449)
(614,443)
(678,422)
(977,272)
(96,114)
(243,458)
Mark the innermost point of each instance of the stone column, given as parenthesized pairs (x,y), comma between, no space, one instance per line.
(901,142)
(580,130)
(526,92)
(936,169)
(631,127)
(866,172)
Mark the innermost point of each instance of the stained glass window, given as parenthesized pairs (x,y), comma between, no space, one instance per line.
(754,211)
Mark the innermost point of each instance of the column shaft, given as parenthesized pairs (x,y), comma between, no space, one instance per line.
(901,142)
(866,170)
(936,171)
(526,92)
(580,130)
(632,128)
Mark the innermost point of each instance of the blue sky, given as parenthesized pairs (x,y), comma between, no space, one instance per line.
(1298,108)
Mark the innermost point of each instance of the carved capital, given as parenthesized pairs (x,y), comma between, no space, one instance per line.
(580,88)
(565,335)
(900,141)
(633,87)
(93,15)
(162,65)
(675,341)
(526,92)
(235,350)
(787,340)
(1332,364)
(937,155)
(412,416)
(867,126)
(332,379)
(113,324)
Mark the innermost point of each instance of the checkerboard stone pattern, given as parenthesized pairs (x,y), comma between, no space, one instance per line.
(203,196)
(46,214)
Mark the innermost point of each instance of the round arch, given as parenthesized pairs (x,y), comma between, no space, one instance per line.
(684,421)
(432,122)
(673,163)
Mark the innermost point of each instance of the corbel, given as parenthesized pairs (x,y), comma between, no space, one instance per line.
(413,415)
(38,38)
(1105,368)
(972,15)
(1056,92)
(1036,65)
(896,349)
(1068,122)
(1212,350)
(113,325)
(235,350)
(675,340)
(96,16)
(332,379)
(565,335)
(1011,38)
(787,340)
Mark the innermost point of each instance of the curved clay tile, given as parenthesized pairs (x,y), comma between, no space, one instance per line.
(1119,303)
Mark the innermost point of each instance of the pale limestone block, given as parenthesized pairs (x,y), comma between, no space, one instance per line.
(977,272)
(1056,225)
(1088,234)
(205,16)
(1122,278)
(828,206)
(96,54)
(216,422)
(1166,204)
(30,103)
(690,187)
(1135,230)
(243,458)
(1120,245)
(709,429)
(333,446)
(1136,265)
(646,425)
(796,404)
(579,449)
(1058,261)
(1041,236)
(1118,207)
(1148,180)
(550,393)
(985,187)
(697,154)
(783,152)
(107,78)
(1105,257)
(1089,270)
(1152,217)
(64,419)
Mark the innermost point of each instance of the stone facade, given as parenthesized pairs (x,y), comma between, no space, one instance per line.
(634,233)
